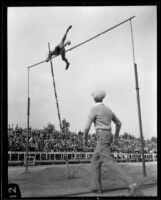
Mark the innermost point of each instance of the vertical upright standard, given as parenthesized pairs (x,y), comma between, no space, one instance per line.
(28,124)
(138,102)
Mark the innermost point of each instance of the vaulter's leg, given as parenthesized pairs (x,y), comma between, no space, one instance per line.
(65,59)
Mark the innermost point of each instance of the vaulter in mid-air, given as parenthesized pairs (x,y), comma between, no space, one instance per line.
(60,49)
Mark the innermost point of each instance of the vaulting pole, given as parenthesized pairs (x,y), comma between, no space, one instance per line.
(138,102)
(56,97)
(28,124)
(57,104)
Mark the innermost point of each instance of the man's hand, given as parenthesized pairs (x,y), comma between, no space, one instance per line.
(70,27)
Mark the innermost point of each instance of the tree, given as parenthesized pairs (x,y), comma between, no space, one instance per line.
(65,125)
(153,139)
(49,129)
(125,135)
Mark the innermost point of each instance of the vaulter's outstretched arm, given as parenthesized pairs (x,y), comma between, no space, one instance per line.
(64,37)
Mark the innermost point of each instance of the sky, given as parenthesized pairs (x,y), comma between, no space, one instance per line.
(105,62)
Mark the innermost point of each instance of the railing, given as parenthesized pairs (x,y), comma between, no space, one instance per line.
(128,157)
(51,156)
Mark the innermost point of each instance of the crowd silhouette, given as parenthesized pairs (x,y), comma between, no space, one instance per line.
(49,139)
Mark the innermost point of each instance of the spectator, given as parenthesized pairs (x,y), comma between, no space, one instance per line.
(55,141)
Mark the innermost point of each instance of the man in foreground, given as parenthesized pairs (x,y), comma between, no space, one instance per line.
(102,116)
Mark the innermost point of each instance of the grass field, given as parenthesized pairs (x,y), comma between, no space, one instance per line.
(52,180)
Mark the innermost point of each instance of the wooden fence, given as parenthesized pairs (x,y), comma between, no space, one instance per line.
(86,156)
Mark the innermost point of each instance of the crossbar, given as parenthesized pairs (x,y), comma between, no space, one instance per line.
(86,40)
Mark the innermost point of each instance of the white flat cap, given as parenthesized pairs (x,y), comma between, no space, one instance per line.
(98,95)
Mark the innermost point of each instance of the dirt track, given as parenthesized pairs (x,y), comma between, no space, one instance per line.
(52,180)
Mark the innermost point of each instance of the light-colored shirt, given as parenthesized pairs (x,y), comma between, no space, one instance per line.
(101,116)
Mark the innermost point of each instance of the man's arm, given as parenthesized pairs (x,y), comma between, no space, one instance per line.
(86,130)
(117,128)
(67,43)
(90,119)
(65,35)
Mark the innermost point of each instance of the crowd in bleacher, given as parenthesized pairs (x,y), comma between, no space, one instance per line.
(49,139)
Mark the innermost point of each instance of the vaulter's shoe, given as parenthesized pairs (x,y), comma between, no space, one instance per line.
(67,66)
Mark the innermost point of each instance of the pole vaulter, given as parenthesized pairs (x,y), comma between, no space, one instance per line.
(137,90)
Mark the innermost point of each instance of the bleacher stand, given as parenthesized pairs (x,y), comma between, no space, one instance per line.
(52,145)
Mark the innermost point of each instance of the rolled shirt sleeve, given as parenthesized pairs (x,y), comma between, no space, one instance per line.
(90,119)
